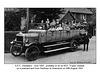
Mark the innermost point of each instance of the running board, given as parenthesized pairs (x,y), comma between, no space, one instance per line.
(56,44)
(56,49)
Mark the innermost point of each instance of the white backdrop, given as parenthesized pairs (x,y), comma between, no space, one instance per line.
(8,70)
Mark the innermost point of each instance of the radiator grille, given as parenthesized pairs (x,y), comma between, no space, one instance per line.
(20,38)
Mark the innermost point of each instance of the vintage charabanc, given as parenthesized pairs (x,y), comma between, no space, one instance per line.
(38,40)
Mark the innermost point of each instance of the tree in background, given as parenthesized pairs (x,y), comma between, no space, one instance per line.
(92,21)
(44,13)
(13,16)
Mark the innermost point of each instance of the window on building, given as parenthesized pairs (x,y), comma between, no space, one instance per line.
(84,17)
(74,15)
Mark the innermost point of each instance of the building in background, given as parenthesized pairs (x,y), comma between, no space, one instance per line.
(78,14)
(82,15)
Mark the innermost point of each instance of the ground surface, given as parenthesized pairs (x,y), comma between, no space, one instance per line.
(62,57)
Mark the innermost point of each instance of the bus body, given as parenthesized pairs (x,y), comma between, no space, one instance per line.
(37,40)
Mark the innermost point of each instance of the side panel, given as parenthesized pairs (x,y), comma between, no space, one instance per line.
(42,37)
(54,36)
(59,35)
(49,35)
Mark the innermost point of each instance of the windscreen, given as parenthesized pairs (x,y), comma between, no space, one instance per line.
(38,26)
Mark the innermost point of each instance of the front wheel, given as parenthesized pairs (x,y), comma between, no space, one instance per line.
(32,53)
(74,45)
(16,50)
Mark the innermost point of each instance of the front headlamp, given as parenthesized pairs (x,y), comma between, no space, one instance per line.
(11,42)
(26,41)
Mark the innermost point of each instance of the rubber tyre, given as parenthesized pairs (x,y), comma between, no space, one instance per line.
(32,53)
(16,50)
(74,45)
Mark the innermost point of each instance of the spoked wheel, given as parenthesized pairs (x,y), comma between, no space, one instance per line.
(16,50)
(74,45)
(32,53)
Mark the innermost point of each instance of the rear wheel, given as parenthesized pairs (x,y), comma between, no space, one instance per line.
(74,45)
(16,50)
(32,53)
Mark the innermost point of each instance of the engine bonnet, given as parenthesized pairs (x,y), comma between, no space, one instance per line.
(28,34)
